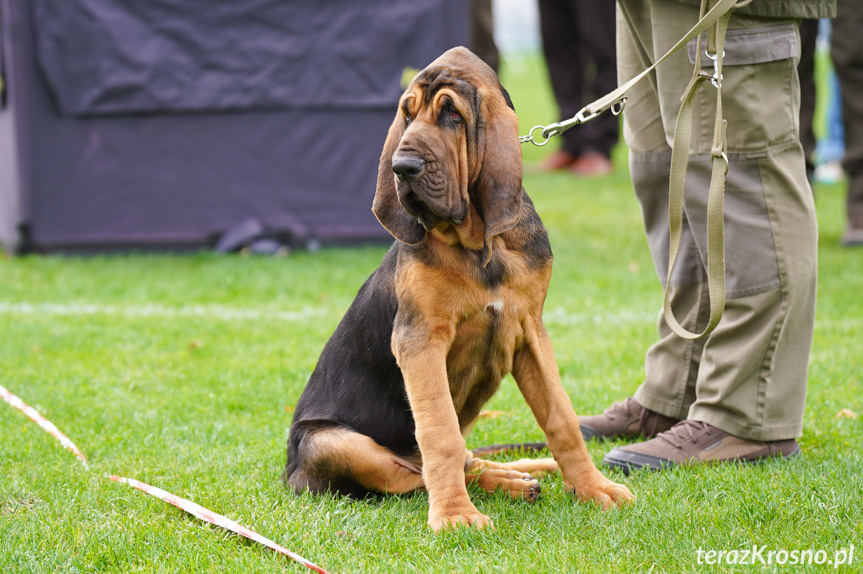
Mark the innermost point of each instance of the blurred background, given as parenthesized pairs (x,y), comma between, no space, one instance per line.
(255,124)
(169,126)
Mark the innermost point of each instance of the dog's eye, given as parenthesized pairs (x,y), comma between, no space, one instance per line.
(453,115)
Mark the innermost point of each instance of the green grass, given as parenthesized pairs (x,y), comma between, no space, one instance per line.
(182,372)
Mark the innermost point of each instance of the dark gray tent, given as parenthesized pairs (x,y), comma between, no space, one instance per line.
(166,123)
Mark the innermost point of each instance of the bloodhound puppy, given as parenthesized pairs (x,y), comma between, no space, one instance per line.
(455,305)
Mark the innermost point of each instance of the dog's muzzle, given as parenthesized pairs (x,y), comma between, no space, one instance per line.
(408,168)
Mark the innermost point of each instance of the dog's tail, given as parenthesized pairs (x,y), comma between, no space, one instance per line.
(501,448)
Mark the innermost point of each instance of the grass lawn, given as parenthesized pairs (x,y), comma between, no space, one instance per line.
(182,371)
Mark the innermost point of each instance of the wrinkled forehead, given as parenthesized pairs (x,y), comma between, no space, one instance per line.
(432,87)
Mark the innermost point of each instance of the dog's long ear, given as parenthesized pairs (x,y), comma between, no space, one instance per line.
(386,206)
(497,188)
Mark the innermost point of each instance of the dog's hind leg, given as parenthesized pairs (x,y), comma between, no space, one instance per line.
(516,484)
(518,478)
(538,467)
(341,460)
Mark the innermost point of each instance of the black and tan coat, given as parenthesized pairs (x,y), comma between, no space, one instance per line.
(455,305)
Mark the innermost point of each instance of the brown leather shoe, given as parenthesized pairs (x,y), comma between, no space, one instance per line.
(625,420)
(692,442)
(561,159)
(591,164)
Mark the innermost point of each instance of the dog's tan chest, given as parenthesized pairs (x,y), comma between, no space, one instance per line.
(480,312)
(482,354)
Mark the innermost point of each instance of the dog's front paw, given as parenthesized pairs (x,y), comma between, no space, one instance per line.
(603,492)
(470,517)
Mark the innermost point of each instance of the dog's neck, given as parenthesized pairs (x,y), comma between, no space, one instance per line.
(469,233)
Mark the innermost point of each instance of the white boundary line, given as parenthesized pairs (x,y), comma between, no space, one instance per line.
(553,316)
(557,315)
(561,316)
(134,311)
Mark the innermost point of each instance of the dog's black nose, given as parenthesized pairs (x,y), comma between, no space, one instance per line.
(407,168)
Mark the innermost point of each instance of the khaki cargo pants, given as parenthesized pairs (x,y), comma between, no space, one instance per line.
(748,377)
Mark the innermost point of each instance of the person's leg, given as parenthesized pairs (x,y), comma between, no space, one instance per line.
(752,377)
(671,364)
(831,147)
(595,22)
(564,57)
(847,52)
(806,71)
(751,380)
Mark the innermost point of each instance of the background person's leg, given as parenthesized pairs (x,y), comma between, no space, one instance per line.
(806,71)
(847,53)
(595,22)
(564,56)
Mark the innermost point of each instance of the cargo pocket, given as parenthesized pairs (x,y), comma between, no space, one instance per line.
(751,266)
(758,87)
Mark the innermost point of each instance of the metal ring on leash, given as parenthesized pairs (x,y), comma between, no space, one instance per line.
(529,137)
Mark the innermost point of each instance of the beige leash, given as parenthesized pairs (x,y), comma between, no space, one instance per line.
(715,22)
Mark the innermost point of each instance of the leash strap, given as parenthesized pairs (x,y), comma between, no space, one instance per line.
(716,192)
(715,21)
(616,100)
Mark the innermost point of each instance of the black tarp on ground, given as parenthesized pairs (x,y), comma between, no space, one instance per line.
(167,122)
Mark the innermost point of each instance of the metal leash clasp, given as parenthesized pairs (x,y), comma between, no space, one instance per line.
(530,138)
(716,78)
(554,129)
(558,128)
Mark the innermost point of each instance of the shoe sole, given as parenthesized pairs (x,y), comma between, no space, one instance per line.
(627,462)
